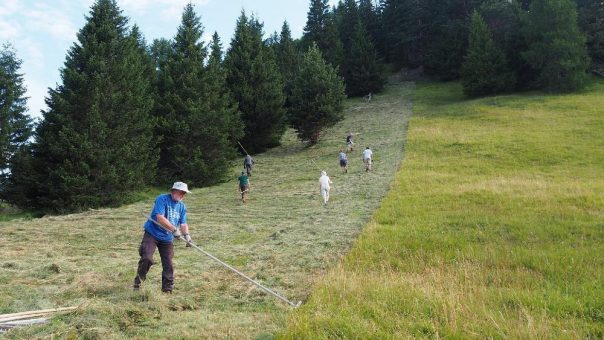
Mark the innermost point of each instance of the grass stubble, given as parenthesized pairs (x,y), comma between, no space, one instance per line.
(282,236)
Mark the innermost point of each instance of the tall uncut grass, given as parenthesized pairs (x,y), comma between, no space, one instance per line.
(494,227)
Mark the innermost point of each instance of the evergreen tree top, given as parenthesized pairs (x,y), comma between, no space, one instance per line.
(105,21)
(316,18)
(135,33)
(216,49)
(104,26)
(188,36)
(285,30)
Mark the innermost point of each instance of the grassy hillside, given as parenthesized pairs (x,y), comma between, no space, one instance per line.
(494,227)
(282,236)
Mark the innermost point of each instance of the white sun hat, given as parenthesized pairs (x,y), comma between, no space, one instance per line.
(181,186)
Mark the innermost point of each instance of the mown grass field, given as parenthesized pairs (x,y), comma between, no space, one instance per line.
(282,237)
(494,227)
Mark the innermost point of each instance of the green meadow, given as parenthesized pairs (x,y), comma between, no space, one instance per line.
(282,237)
(493,228)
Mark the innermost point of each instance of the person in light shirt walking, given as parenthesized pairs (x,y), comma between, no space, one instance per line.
(367,158)
(324,186)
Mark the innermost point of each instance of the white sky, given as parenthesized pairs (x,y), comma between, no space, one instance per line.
(42,31)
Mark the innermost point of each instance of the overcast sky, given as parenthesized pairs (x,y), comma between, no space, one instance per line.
(42,31)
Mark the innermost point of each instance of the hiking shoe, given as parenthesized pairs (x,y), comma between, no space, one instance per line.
(136,286)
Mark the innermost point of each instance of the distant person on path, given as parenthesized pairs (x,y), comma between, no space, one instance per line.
(367,157)
(244,185)
(343,161)
(349,142)
(247,164)
(171,213)
(324,186)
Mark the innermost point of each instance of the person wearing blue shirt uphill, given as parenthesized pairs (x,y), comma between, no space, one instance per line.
(171,213)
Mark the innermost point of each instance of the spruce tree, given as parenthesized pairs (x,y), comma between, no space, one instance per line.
(254,81)
(484,70)
(403,31)
(95,143)
(556,45)
(444,36)
(501,17)
(360,68)
(215,59)
(370,19)
(317,97)
(16,127)
(287,55)
(144,51)
(322,29)
(198,124)
(348,19)
(216,82)
(288,61)
(505,19)
(160,51)
(316,21)
(591,21)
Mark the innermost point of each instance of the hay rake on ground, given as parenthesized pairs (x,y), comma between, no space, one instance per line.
(266,289)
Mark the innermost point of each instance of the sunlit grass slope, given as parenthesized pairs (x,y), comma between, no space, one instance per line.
(494,227)
(282,237)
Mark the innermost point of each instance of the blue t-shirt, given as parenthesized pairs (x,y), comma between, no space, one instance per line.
(175,212)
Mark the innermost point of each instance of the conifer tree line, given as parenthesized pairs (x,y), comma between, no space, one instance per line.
(130,114)
(493,46)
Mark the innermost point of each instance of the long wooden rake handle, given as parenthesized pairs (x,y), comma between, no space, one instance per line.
(266,289)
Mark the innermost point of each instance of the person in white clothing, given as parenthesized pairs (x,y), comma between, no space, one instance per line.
(324,187)
(367,157)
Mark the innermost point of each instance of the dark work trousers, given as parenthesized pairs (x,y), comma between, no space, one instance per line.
(166,253)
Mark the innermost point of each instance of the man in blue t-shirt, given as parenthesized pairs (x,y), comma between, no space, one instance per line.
(171,213)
